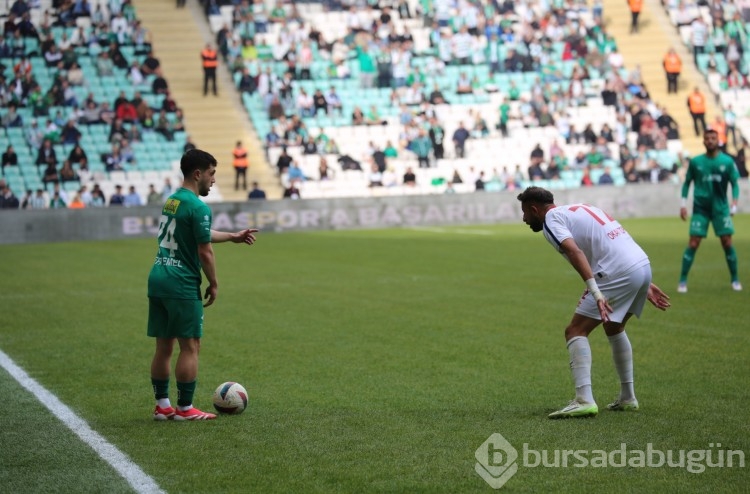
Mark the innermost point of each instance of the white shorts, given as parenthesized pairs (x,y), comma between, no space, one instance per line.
(626,294)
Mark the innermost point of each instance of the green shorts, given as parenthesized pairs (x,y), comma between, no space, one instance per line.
(175,318)
(719,218)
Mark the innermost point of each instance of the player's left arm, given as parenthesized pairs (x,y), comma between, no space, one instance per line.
(658,298)
(578,260)
(244,237)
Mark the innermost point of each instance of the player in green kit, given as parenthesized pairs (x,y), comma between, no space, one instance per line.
(711,172)
(175,311)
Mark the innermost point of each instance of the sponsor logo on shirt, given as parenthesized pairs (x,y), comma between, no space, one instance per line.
(171,206)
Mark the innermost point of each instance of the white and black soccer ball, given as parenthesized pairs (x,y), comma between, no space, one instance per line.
(230,398)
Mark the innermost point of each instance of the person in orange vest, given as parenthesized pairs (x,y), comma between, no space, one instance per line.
(210,59)
(672,67)
(239,161)
(720,127)
(635,11)
(697,105)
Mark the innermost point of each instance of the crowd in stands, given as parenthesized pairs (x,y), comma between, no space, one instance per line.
(716,32)
(82,95)
(423,86)
(518,65)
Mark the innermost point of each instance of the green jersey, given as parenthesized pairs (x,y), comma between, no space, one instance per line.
(185,222)
(711,177)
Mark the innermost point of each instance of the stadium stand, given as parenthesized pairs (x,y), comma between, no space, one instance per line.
(542,91)
(716,34)
(73,73)
(558,71)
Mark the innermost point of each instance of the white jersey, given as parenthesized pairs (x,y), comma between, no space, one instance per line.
(609,249)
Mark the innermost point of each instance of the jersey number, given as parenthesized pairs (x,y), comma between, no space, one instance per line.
(166,224)
(593,214)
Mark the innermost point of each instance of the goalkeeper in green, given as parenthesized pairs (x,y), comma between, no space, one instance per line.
(711,172)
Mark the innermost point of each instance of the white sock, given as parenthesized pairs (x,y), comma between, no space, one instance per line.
(185,409)
(622,355)
(163,403)
(580,366)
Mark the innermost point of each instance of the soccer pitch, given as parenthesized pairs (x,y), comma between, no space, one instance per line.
(375,361)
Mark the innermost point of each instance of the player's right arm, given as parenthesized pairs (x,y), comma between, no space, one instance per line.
(685,190)
(208,263)
(578,260)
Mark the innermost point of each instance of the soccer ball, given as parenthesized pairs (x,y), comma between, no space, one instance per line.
(230,398)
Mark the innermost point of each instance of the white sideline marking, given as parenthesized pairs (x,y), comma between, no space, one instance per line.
(131,472)
(463,231)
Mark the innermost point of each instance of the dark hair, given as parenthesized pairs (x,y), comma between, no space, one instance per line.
(195,159)
(537,195)
(711,131)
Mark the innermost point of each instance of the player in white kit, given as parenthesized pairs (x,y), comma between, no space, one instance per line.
(618,282)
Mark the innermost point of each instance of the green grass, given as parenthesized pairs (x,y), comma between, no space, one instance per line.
(376,361)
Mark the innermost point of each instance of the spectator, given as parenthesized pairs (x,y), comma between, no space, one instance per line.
(246,83)
(78,156)
(210,59)
(151,65)
(164,126)
(167,189)
(117,199)
(373,117)
(295,173)
(97,197)
(12,119)
(126,112)
(153,198)
(256,192)
(479,182)
(606,177)
(67,173)
(358,118)
(159,85)
(410,179)
(319,102)
(240,164)
(697,105)
(77,202)
(104,65)
(375,177)
(10,158)
(39,201)
(34,135)
(460,136)
(70,133)
(421,146)
(699,36)
(132,199)
(635,11)
(57,202)
(46,154)
(135,74)
(334,102)
(91,112)
(586,180)
(8,199)
(49,175)
(672,67)
(324,171)
(113,160)
(283,162)
(188,144)
(292,192)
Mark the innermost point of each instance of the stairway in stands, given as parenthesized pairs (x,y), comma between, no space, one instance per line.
(215,124)
(647,49)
